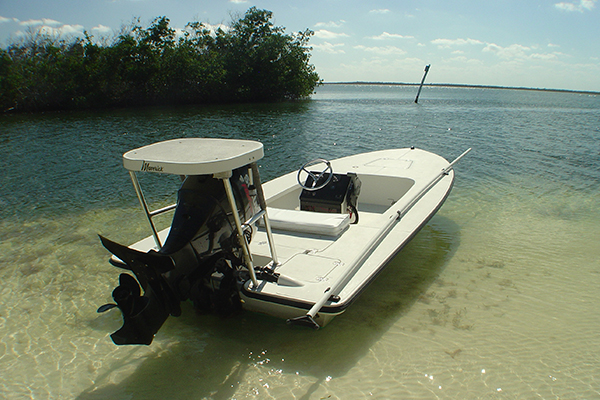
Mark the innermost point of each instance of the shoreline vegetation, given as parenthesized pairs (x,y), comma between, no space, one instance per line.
(251,61)
(466,86)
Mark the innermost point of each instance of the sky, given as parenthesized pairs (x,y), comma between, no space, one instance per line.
(549,44)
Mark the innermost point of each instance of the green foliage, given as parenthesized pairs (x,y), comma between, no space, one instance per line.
(263,63)
(253,61)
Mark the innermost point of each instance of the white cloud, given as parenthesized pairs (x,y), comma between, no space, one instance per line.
(386,35)
(31,22)
(4,19)
(547,56)
(51,28)
(520,52)
(50,22)
(64,30)
(238,1)
(330,48)
(325,34)
(384,51)
(380,11)
(101,30)
(37,22)
(510,52)
(581,7)
(566,6)
(448,43)
(330,24)
(71,29)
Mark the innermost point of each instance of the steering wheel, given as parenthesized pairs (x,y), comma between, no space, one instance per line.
(315,175)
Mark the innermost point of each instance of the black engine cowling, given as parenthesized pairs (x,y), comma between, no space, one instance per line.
(200,260)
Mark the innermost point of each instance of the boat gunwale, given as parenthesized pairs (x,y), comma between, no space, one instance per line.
(340,307)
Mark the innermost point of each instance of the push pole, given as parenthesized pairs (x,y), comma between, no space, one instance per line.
(309,318)
(422,80)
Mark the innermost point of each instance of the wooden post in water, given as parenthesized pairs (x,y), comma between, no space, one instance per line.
(422,80)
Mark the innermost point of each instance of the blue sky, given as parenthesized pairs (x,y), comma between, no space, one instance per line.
(529,43)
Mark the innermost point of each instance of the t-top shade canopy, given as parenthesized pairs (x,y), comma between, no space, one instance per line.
(193,156)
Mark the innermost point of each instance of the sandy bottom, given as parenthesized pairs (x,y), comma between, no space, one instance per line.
(496,298)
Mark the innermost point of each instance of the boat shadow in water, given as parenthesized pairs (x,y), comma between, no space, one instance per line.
(210,357)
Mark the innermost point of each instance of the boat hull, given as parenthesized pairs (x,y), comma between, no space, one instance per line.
(391,179)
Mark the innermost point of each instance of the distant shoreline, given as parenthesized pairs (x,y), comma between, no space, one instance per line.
(458,85)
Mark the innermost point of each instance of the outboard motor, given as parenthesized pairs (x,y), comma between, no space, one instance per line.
(200,260)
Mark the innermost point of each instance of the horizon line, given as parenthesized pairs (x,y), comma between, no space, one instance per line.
(465,85)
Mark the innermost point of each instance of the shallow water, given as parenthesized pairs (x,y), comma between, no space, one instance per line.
(495,298)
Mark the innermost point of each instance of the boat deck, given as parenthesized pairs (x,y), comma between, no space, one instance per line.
(289,243)
(388,218)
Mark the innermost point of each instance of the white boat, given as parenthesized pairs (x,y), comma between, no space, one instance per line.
(301,247)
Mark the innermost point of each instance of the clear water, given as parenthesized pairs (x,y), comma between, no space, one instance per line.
(497,297)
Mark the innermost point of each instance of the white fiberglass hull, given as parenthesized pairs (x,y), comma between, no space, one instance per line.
(401,190)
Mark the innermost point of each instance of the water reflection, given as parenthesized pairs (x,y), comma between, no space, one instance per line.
(207,356)
(518,297)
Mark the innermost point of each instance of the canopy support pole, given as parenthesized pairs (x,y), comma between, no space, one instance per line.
(142,199)
(263,205)
(238,225)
